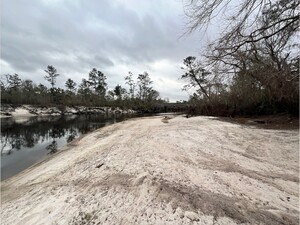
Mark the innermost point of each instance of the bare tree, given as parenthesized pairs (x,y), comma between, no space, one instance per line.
(196,75)
(270,60)
(257,53)
(242,27)
(130,82)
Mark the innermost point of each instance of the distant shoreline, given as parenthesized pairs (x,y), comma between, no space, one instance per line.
(31,110)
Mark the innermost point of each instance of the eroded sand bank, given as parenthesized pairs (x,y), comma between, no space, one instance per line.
(159,171)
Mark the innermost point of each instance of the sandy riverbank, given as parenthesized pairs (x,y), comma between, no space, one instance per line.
(31,110)
(159,171)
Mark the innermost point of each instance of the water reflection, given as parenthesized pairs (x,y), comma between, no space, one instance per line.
(72,135)
(28,140)
(28,133)
(52,148)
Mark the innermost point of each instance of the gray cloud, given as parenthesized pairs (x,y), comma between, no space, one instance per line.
(113,36)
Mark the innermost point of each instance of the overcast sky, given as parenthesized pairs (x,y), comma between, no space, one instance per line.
(113,36)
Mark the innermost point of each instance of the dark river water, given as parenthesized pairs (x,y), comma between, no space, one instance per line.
(26,141)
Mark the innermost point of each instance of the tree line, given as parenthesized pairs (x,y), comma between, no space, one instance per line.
(90,92)
(253,67)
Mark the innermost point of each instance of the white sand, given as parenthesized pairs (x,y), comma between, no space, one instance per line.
(153,171)
(21,112)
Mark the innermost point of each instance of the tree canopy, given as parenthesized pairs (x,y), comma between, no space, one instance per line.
(244,18)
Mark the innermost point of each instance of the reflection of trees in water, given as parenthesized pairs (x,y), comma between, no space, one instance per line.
(4,144)
(72,135)
(57,132)
(52,148)
(14,135)
(8,145)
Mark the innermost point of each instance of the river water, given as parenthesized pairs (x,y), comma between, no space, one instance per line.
(26,141)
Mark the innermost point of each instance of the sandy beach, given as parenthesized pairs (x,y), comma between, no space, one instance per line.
(161,170)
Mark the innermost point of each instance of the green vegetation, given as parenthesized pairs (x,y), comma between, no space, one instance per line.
(90,92)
